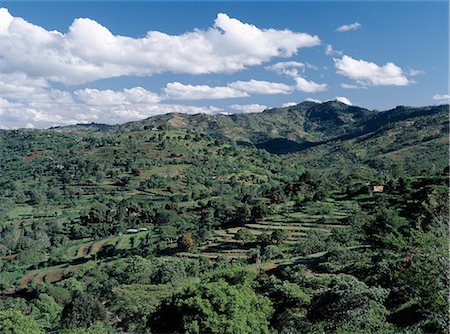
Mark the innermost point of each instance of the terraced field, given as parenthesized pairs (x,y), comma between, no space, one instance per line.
(77,256)
(296,224)
(223,242)
(49,275)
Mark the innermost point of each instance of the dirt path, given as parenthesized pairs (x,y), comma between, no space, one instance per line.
(23,283)
(96,246)
(54,276)
(83,250)
(9,257)
(39,278)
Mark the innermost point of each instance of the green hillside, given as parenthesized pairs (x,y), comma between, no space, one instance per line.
(319,218)
(307,122)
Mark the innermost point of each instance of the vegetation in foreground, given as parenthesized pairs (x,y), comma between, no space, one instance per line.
(318,218)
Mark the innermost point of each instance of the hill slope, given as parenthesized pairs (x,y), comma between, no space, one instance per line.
(295,128)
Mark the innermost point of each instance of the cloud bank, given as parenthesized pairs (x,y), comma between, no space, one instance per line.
(89,51)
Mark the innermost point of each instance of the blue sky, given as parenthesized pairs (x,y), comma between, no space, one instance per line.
(253,56)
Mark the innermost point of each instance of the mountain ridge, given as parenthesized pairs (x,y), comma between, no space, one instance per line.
(303,123)
(288,129)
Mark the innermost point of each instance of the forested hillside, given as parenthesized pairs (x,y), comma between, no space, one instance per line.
(315,218)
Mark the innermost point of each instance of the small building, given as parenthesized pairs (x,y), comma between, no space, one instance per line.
(377,188)
(143,229)
(132,230)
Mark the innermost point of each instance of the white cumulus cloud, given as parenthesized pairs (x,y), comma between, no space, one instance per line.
(288,104)
(89,51)
(348,27)
(95,97)
(261,87)
(292,69)
(343,100)
(310,99)
(248,108)
(329,50)
(370,74)
(351,86)
(19,85)
(413,72)
(26,102)
(53,113)
(288,68)
(441,97)
(307,86)
(179,91)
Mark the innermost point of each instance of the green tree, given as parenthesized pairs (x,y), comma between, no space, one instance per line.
(348,304)
(424,272)
(278,236)
(263,239)
(14,322)
(290,303)
(387,230)
(185,241)
(271,252)
(134,303)
(46,311)
(222,302)
(83,311)
(315,241)
(98,328)
(259,211)
(244,235)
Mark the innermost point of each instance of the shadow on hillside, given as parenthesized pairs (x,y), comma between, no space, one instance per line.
(310,263)
(227,247)
(372,127)
(285,146)
(244,143)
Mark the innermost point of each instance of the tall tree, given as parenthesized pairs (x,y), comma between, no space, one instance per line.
(14,322)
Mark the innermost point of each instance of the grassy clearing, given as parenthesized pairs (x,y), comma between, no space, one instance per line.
(83,250)
(96,246)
